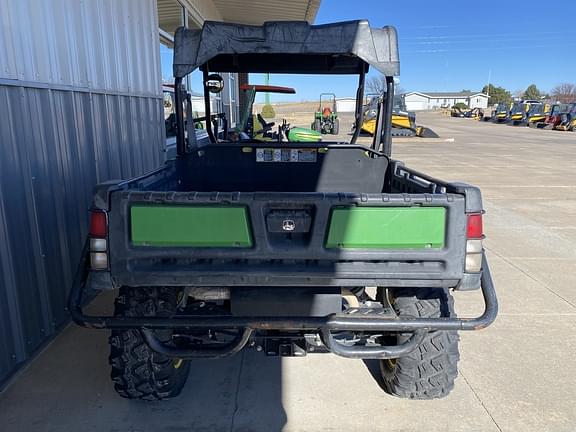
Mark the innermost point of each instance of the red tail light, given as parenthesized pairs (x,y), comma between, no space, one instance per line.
(474,228)
(98,224)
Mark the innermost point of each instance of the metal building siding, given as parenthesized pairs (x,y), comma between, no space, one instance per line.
(56,145)
(80,103)
(91,44)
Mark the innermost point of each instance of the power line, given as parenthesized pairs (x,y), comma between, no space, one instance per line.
(483,35)
(499,48)
(517,39)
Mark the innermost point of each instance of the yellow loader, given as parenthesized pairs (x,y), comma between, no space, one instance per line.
(403,122)
(568,119)
(522,112)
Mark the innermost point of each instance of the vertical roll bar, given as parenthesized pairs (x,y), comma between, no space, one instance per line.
(208,114)
(180,139)
(359,114)
(386,139)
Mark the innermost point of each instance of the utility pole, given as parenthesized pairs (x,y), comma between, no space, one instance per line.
(489,78)
(267,95)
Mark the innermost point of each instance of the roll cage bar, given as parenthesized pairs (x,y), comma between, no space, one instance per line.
(349,47)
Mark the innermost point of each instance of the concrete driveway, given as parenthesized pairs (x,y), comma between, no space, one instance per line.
(518,375)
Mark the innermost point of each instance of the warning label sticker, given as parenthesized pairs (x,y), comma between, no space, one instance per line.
(285,155)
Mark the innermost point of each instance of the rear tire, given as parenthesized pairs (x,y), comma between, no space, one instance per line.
(429,371)
(336,127)
(317,126)
(137,371)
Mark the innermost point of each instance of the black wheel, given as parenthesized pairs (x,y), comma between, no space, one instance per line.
(317,125)
(137,371)
(429,371)
(335,127)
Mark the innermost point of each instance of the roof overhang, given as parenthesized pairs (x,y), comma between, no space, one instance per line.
(287,47)
(257,12)
(416,93)
(447,95)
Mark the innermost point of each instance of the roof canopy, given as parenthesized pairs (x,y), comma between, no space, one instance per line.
(287,47)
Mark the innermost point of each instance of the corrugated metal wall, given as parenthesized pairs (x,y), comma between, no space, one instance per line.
(80,103)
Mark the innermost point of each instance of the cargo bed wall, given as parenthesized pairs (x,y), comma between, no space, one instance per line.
(236,168)
(287,168)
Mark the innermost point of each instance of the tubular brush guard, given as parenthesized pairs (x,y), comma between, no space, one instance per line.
(246,325)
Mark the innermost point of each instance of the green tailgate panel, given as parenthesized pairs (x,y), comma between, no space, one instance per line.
(387,228)
(201,226)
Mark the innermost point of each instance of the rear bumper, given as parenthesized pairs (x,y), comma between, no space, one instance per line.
(340,322)
(246,325)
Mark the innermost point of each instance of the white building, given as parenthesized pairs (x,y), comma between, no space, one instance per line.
(345,104)
(419,101)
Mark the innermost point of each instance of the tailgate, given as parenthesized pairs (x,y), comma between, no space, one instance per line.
(214,239)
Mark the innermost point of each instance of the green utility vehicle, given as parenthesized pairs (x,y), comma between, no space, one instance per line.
(284,247)
(326,118)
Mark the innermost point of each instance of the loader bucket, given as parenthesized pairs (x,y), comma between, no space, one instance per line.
(424,132)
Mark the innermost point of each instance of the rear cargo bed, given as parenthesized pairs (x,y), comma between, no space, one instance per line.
(409,232)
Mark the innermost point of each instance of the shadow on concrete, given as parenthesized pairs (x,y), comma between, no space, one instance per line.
(373,367)
(68,388)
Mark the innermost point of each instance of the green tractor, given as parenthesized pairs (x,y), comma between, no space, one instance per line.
(326,118)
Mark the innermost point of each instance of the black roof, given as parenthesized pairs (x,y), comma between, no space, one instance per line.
(287,47)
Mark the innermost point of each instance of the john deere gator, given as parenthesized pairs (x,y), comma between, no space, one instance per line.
(287,248)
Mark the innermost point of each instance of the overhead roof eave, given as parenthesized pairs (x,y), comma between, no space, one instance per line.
(257,12)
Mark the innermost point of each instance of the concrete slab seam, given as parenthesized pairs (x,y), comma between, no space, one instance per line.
(237,392)
(479,400)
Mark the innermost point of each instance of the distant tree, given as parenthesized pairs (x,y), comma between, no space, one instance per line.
(518,94)
(532,92)
(466,91)
(377,84)
(497,94)
(564,93)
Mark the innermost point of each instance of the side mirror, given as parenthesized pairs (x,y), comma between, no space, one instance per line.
(214,83)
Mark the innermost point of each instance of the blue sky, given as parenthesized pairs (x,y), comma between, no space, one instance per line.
(452,45)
